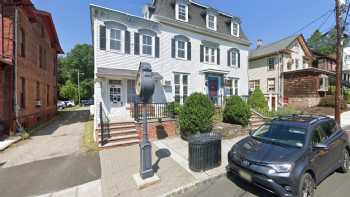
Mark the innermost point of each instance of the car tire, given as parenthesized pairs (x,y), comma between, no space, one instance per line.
(306,186)
(345,165)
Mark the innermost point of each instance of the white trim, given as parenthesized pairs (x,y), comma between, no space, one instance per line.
(232,54)
(238,29)
(177,12)
(210,49)
(215,21)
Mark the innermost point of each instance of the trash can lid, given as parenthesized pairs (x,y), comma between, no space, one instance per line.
(204,137)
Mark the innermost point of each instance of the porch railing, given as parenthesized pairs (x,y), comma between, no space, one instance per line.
(154,111)
(104,125)
(220,100)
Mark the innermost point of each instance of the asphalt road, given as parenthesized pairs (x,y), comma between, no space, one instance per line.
(49,175)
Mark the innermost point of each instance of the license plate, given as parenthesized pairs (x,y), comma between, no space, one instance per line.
(245,175)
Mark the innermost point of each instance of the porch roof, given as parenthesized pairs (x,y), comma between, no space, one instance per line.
(105,72)
(216,71)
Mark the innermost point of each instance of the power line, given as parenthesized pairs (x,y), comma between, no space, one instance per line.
(325,21)
(315,20)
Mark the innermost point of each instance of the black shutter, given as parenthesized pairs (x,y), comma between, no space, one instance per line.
(189,50)
(218,55)
(157,46)
(136,43)
(127,42)
(202,53)
(173,48)
(102,37)
(239,59)
(229,58)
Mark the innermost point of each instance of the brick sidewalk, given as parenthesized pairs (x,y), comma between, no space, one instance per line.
(118,165)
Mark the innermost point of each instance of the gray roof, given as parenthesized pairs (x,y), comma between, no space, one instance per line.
(273,47)
(197,16)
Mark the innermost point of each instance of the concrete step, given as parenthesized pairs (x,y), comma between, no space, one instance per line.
(120,143)
(121,137)
(112,124)
(120,132)
(119,127)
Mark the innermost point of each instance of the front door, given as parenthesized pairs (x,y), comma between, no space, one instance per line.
(213,89)
(115,93)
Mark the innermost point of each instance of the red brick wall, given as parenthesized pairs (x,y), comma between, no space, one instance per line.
(29,69)
(6,42)
(158,130)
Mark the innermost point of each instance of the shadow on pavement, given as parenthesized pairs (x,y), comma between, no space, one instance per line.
(250,188)
(161,154)
(62,119)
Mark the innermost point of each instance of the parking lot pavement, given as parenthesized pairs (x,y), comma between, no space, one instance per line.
(337,184)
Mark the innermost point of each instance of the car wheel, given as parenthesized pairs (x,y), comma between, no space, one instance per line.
(306,186)
(345,167)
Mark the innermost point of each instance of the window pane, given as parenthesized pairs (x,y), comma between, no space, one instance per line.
(147,45)
(185,79)
(181,49)
(115,34)
(206,54)
(234,58)
(212,55)
(177,79)
(182,12)
(234,28)
(211,22)
(115,45)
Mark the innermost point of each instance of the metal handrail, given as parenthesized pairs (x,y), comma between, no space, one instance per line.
(154,111)
(104,125)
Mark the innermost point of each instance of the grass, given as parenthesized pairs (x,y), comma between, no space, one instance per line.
(76,107)
(89,144)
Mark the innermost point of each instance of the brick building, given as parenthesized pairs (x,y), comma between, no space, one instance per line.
(28,74)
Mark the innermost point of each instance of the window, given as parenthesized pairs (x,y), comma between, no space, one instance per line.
(147,45)
(209,55)
(228,87)
(253,84)
(271,84)
(181,87)
(236,87)
(234,58)
(115,39)
(271,63)
(324,83)
(181,13)
(48,95)
(23,43)
(211,22)
(38,91)
(22,103)
(235,29)
(347,59)
(297,63)
(322,132)
(131,91)
(181,49)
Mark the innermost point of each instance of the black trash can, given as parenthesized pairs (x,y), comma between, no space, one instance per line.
(204,151)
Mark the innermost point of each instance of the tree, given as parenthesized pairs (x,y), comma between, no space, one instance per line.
(69,91)
(257,100)
(79,59)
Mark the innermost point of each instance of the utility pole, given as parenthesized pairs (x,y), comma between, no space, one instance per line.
(339,61)
(79,87)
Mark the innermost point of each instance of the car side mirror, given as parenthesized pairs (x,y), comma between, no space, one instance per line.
(320,146)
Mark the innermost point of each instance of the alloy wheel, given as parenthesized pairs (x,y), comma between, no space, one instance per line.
(346,162)
(308,187)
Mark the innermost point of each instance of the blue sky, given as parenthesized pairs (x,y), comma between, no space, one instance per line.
(269,20)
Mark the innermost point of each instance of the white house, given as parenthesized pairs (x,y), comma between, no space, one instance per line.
(191,47)
(346,64)
(268,63)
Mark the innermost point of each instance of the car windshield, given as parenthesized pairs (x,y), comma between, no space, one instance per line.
(281,134)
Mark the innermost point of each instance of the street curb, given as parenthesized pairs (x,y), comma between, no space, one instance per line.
(191,186)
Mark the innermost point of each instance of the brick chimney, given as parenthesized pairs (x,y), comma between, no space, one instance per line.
(259,43)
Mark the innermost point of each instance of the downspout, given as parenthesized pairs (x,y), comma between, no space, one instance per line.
(14,59)
(282,82)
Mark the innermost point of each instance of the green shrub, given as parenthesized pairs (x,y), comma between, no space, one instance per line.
(329,101)
(331,90)
(257,100)
(236,111)
(347,96)
(196,115)
(174,108)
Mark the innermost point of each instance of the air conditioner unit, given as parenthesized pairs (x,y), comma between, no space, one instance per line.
(38,103)
(166,82)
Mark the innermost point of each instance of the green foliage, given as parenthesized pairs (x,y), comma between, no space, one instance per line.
(79,59)
(324,44)
(174,108)
(257,100)
(331,90)
(236,111)
(347,96)
(196,115)
(281,111)
(329,101)
(69,91)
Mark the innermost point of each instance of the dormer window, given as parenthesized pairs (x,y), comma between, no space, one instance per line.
(211,22)
(235,29)
(181,12)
